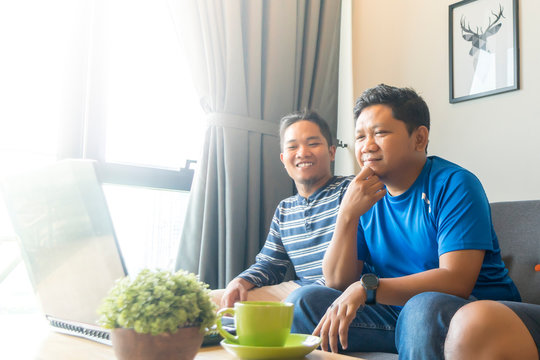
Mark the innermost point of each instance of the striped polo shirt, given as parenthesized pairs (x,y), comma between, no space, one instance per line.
(299,235)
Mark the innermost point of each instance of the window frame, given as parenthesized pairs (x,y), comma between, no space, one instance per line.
(87,141)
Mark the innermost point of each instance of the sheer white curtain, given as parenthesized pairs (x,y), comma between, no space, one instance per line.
(42,72)
(253,62)
(70,63)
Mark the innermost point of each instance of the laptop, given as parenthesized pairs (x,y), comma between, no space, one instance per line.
(67,242)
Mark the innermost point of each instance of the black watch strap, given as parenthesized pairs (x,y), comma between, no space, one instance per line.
(371,296)
(370,282)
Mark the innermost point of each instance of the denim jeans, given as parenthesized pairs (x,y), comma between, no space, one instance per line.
(416,331)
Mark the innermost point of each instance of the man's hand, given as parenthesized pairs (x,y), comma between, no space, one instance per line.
(235,291)
(339,316)
(363,192)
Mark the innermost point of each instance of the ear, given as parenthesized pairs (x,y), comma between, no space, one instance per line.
(281,158)
(421,138)
(332,151)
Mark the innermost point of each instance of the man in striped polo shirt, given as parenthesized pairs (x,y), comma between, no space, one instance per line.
(303,224)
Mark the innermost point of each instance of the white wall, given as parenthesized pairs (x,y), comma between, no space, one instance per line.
(405,43)
(345,162)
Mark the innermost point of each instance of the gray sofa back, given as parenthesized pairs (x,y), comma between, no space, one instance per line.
(517,224)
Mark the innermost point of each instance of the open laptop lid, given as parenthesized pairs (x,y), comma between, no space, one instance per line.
(67,238)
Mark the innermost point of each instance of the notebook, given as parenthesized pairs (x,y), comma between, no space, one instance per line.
(67,242)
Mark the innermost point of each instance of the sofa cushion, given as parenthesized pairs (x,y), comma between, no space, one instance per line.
(517,224)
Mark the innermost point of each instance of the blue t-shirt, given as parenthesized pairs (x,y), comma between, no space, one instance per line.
(446,209)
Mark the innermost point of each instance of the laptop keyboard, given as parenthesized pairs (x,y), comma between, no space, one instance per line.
(90,332)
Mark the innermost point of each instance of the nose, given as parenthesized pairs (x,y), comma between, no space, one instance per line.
(302,150)
(369,145)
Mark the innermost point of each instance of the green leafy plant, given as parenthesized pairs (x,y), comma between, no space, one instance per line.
(158,301)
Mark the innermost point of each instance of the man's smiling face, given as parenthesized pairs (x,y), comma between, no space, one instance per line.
(307,156)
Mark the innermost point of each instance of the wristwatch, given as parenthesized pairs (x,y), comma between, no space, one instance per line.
(370,282)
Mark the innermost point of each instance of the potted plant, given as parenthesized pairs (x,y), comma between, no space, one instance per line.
(157,315)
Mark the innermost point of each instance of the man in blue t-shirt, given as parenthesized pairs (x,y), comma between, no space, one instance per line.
(413,241)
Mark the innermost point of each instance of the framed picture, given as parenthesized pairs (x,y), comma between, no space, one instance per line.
(483,48)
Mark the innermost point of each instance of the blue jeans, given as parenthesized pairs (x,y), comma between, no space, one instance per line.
(416,331)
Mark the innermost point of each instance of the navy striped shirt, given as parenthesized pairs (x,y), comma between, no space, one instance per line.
(299,235)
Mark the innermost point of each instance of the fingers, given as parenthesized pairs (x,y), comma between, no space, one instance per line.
(321,329)
(334,325)
(363,192)
(233,295)
(324,325)
(333,328)
(237,290)
(242,294)
(367,178)
(349,315)
(365,172)
(228,299)
(317,330)
(340,328)
(333,331)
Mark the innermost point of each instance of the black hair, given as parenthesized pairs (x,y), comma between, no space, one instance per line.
(405,103)
(308,115)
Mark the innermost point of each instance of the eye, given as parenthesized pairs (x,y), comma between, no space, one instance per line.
(291,147)
(314,144)
(360,137)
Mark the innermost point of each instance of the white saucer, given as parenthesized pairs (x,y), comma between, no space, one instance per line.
(296,346)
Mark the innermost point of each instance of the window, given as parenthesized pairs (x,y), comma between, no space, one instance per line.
(105,80)
(142,103)
(149,227)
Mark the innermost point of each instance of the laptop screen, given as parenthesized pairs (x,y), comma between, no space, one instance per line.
(67,238)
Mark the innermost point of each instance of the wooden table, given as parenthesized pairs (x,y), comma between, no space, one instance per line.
(31,338)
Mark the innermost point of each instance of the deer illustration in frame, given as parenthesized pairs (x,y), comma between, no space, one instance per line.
(483,48)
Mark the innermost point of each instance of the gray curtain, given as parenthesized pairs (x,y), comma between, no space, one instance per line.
(253,61)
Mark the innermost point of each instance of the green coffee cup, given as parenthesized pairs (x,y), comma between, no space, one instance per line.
(258,323)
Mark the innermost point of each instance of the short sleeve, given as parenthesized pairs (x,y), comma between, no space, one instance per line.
(463,214)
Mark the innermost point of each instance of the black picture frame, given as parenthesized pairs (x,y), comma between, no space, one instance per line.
(483,48)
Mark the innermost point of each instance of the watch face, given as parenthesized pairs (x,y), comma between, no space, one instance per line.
(370,280)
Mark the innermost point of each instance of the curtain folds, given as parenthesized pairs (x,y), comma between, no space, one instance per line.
(252,61)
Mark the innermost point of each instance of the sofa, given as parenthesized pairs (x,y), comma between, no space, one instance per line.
(517,224)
